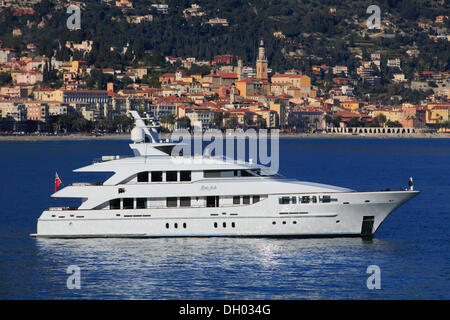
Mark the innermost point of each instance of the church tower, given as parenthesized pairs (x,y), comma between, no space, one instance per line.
(239,70)
(261,63)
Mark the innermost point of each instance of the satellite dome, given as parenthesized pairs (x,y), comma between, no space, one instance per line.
(137,135)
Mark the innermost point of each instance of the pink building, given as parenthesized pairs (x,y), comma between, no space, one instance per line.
(31,77)
(37,111)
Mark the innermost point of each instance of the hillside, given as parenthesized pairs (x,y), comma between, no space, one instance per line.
(314,32)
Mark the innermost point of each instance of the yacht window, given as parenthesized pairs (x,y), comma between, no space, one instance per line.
(227,173)
(219,173)
(184,225)
(172,176)
(326,199)
(185,201)
(171,202)
(246,199)
(215,224)
(223,173)
(236,200)
(128,203)
(114,204)
(284,200)
(185,176)
(224,224)
(233,225)
(314,199)
(141,203)
(293,200)
(156,176)
(212,201)
(305,199)
(246,173)
(142,176)
(256,199)
(176,225)
(211,174)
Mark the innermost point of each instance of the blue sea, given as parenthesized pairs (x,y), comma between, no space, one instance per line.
(411,248)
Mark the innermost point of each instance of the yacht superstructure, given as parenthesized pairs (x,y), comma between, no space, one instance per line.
(150,195)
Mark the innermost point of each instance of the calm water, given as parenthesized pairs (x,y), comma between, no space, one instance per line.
(411,247)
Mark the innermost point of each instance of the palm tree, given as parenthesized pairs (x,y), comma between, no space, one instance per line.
(218,119)
(328,119)
(261,123)
(306,122)
(168,120)
(316,121)
(184,122)
(232,122)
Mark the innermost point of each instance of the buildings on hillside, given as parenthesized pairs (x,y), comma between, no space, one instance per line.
(231,94)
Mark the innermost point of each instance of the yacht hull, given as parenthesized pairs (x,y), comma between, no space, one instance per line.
(351,214)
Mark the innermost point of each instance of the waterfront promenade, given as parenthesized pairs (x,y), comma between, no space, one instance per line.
(126,136)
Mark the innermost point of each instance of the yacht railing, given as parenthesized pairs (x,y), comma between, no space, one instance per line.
(62,208)
(83,184)
(108,158)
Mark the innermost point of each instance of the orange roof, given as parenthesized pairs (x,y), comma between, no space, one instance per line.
(229,75)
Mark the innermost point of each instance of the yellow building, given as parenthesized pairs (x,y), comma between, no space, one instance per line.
(250,87)
(405,115)
(437,113)
(352,105)
(295,85)
(279,109)
(270,116)
(296,80)
(187,79)
(141,72)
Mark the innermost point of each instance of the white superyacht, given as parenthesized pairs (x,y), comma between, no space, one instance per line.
(150,195)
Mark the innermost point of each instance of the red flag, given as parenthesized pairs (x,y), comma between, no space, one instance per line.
(58,182)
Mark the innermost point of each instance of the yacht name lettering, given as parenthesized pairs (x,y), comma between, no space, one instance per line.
(193,310)
(208,187)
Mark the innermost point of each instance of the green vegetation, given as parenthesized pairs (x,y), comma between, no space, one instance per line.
(310,23)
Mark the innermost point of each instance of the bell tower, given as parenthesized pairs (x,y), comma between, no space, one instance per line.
(261,63)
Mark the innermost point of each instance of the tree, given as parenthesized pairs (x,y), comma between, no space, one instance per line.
(168,120)
(354,122)
(328,119)
(261,123)
(184,122)
(393,124)
(122,123)
(5,79)
(232,122)
(337,121)
(380,120)
(218,119)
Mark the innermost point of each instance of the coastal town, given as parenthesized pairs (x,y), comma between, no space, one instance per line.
(41,94)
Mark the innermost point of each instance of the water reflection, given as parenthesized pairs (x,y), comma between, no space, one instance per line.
(210,268)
